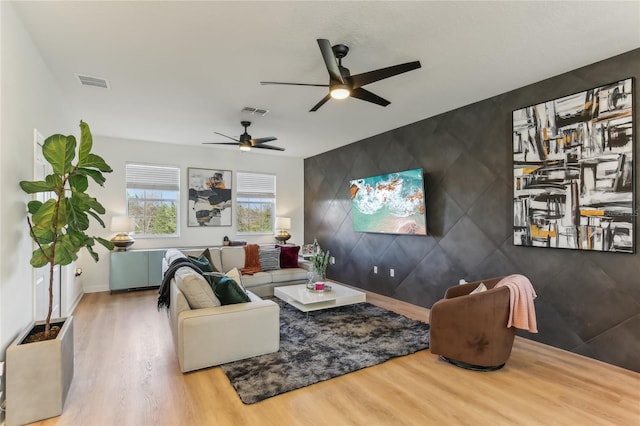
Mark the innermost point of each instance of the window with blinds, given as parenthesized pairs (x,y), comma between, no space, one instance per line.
(256,203)
(153,196)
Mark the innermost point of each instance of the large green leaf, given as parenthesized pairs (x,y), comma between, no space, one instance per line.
(76,215)
(38,257)
(93,253)
(78,182)
(43,218)
(66,250)
(60,150)
(33,206)
(86,142)
(87,202)
(96,162)
(96,217)
(94,174)
(32,187)
(108,244)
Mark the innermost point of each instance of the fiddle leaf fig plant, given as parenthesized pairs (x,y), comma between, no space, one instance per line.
(58,225)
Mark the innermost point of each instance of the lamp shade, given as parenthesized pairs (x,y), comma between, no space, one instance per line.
(122,224)
(283,223)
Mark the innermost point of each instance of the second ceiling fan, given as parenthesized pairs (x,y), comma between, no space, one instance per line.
(342,84)
(246,142)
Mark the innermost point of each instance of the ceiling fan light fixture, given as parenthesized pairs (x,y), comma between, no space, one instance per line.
(340,91)
(245,148)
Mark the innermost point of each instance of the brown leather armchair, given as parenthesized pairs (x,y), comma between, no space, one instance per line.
(470,330)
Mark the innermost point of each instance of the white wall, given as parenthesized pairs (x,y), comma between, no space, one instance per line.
(116,152)
(29,98)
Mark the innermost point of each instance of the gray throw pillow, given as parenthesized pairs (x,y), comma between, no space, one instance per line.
(269,258)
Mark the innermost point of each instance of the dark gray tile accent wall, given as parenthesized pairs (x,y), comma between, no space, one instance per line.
(588,302)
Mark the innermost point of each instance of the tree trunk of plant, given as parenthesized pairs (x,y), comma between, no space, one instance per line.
(47,322)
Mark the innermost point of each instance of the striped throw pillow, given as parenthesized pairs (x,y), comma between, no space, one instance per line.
(269,258)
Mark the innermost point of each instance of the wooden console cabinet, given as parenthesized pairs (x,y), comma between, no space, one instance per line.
(133,269)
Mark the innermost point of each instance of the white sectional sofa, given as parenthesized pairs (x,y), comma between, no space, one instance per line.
(208,336)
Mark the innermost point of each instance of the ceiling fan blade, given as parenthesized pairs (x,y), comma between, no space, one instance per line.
(319,104)
(275,148)
(360,80)
(330,60)
(366,95)
(233,139)
(293,84)
(259,141)
(221,143)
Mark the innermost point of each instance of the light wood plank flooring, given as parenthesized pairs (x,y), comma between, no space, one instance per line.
(127,374)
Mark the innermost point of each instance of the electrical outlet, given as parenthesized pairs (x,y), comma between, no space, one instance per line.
(375,269)
(392,272)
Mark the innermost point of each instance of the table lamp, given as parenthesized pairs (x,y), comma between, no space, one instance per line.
(283,224)
(122,225)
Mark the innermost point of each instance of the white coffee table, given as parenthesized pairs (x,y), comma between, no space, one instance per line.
(307,300)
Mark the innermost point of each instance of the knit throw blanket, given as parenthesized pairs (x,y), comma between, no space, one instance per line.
(251,259)
(522,313)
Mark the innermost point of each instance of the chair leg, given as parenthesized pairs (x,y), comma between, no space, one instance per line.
(467,366)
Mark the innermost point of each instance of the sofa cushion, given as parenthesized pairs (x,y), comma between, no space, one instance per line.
(195,289)
(232,257)
(259,278)
(289,256)
(289,274)
(229,292)
(269,258)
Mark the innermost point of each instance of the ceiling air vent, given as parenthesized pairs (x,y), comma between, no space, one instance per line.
(87,80)
(252,110)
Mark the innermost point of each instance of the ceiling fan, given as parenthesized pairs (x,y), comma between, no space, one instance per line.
(342,84)
(246,142)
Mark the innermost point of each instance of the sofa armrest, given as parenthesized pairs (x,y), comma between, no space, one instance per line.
(213,336)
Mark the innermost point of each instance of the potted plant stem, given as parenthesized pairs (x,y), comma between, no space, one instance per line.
(40,360)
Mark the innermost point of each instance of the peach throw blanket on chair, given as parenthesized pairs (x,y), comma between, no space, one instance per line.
(251,260)
(522,313)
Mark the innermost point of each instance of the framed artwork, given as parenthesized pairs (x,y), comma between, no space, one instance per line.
(573,179)
(392,203)
(209,197)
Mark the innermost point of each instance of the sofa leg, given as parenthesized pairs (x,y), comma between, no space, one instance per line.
(470,366)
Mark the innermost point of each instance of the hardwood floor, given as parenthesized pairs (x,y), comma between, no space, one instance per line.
(126,373)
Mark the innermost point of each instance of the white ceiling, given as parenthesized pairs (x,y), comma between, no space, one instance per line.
(181,70)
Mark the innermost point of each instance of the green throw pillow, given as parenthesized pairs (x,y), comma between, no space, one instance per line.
(201,262)
(229,292)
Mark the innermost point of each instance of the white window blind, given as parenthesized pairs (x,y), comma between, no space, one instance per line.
(256,185)
(145,176)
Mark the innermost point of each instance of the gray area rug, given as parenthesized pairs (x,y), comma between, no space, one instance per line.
(331,343)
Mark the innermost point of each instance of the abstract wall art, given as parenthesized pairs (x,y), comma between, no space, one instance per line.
(209,197)
(573,171)
(392,203)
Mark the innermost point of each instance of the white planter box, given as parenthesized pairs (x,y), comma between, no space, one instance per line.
(39,375)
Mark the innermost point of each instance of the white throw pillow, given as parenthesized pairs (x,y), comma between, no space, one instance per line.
(479,289)
(195,289)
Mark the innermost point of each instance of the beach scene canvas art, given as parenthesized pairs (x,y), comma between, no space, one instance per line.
(392,203)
